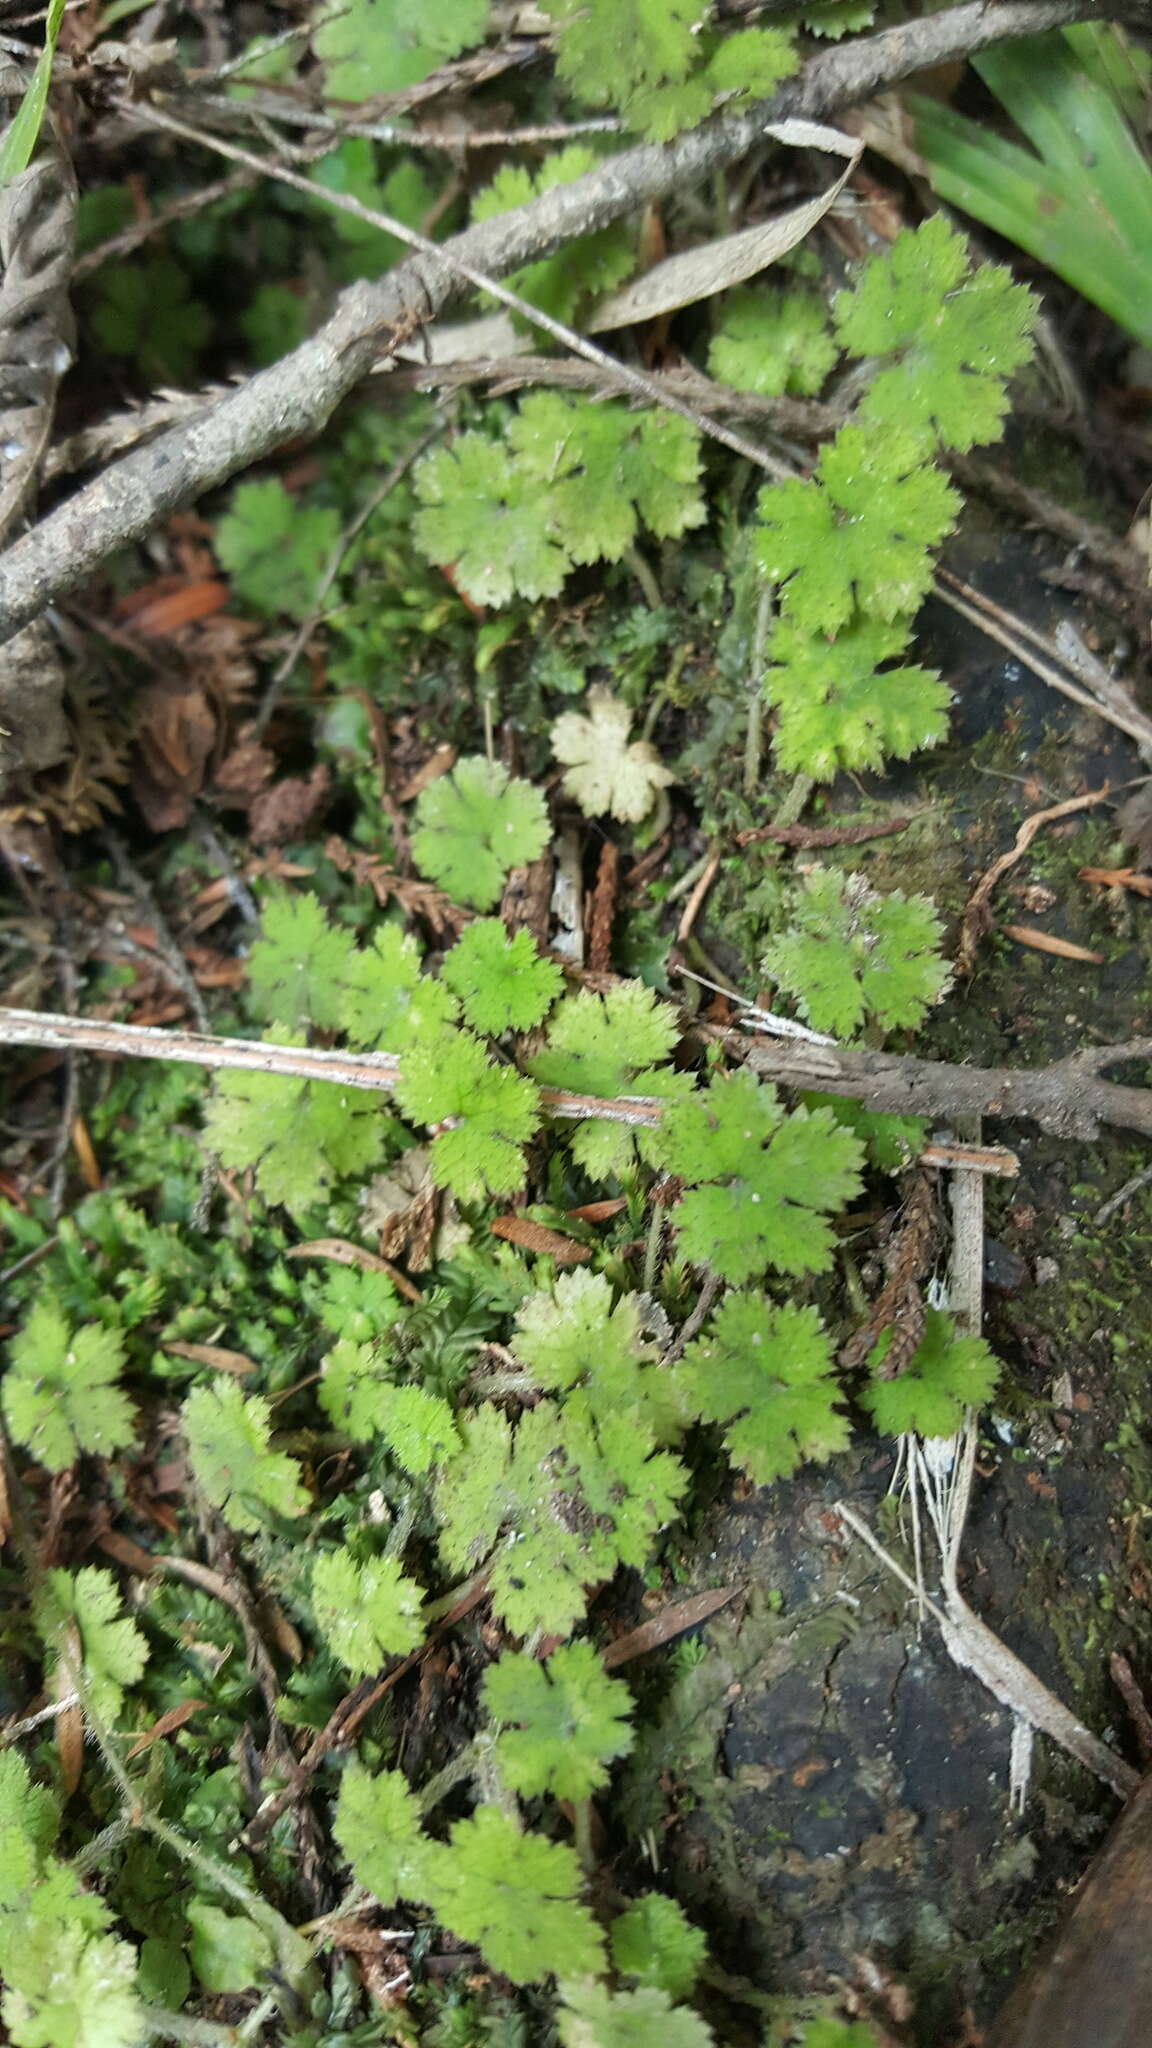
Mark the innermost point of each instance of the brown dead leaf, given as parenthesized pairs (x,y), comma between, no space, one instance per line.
(246,769)
(289,808)
(214,970)
(1045,942)
(602,909)
(167,1724)
(598,1212)
(85,1155)
(168,604)
(536,1237)
(438,763)
(671,1621)
(214,1356)
(174,741)
(70,1720)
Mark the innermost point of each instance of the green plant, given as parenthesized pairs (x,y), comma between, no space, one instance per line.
(148,314)
(591,2016)
(571,1721)
(648,58)
(773,341)
(946,1375)
(1079,195)
(761,1182)
(456,1403)
(274,549)
(60,1394)
(766,1373)
(365,1612)
(373,46)
(87,1639)
(568,484)
(502,982)
(587,268)
(475,824)
(23,132)
(851,956)
(655,1945)
(228,1437)
(856,537)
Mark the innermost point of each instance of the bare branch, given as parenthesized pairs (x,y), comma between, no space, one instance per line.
(1068,1097)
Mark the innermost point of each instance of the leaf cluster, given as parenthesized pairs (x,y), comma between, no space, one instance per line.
(852,956)
(762,1184)
(567,484)
(649,59)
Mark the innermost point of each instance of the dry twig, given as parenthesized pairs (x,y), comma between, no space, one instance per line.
(1067,1097)
(977,916)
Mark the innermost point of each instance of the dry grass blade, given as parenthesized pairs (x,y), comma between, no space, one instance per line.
(713,267)
(672,1621)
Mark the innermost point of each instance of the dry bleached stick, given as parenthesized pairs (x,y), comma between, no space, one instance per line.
(1067,1097)
(296,396)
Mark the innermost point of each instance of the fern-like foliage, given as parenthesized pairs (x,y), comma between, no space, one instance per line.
(365,1612)
(493,1111)
(838,705)
(565,1721)
(773,341)
(298,1136)
(572,1334)
(851,955)
(514,1894)
(555,1502)
(571,484)
(502,982)
(610,1045)
(60,1394)
(379,1826)
(66,1979)
(765,1183)
(384,1001)
(374,46)
(858,535)
(590,2013)
(649,59)
(474,825)
(946,338)
(947,1375)
(588,267)
(80,1619)
(654,1944)
(604,769)
(766,1373)
(228,1436)
(274,549)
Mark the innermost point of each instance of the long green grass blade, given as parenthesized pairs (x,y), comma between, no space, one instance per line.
(1076,126)
(1083,203)
(20,141)
(1117,64)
